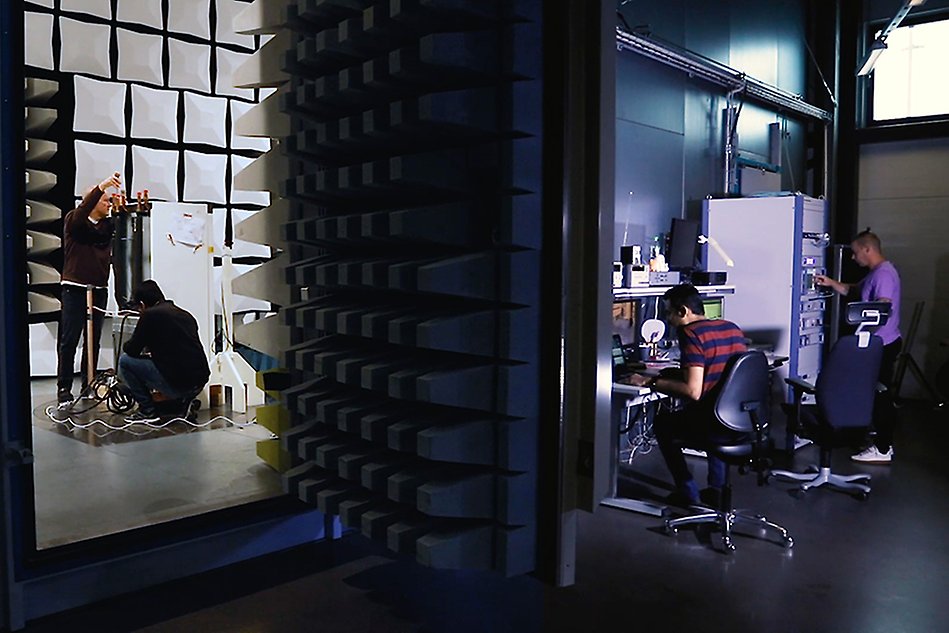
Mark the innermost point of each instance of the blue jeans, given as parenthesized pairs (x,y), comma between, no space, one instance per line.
(141,375)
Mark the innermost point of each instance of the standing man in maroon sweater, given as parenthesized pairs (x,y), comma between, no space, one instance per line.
(87,255)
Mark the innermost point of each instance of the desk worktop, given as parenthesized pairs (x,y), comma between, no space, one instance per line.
(637,292)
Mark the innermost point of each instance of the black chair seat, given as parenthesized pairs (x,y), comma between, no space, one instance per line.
(844,393)
(740,415)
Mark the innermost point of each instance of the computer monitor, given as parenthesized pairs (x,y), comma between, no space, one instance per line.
(683,244)
(714,308)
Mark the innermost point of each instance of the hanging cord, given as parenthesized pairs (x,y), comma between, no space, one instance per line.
(833,99)
(787,154)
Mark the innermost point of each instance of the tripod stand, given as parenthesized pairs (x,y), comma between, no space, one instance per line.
(906,361)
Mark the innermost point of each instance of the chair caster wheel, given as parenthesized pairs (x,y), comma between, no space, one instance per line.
(863,496)
(788,543)
(671,530)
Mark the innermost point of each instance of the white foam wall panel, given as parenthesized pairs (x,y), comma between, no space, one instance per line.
(204,178)
(101,8)
(227,10)
(100,106)
(227,63)
(85,48)
(155,114)
(189,65)
(140,57)
(190,16)
(145,12)
(155,170)
(95,162)
(38,45)
(204,120)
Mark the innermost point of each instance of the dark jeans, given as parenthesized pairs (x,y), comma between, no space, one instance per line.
(141,375)
(72,326)
(884,410)
(691,427)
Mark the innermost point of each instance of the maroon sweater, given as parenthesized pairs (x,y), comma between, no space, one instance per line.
(87,246)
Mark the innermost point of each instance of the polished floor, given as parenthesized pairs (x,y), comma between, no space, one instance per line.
(95,475)
(875,566)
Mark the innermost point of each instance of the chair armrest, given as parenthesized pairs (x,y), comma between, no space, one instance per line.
(801,385)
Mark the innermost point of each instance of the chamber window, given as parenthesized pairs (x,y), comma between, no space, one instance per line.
(909,78)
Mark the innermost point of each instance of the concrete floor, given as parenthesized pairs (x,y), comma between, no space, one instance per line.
(876,566)
(96,481)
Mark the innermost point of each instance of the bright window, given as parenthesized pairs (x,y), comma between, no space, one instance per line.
(911,77)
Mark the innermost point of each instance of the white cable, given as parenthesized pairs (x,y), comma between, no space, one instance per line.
(150,425)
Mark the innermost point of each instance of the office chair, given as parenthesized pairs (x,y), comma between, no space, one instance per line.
(741,406)
(844,392)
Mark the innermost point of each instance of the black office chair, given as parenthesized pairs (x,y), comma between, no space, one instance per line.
(742,408)
(844,393)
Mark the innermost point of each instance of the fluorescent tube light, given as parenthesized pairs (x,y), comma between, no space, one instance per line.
(876,49)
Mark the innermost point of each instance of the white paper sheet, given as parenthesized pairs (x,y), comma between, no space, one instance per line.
(96,162)
(204,177)
(140,57)
(100,106)
(155,170)
(189,65)
(155,113)
(146,12)
(38,45)
(205,120)
(85,48)
(190,16)
(227,63)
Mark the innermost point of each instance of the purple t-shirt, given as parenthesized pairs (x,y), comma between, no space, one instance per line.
(883,282)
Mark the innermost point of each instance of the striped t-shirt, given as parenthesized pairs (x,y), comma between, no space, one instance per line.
(709,343)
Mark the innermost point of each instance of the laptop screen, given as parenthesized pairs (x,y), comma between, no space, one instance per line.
(618,357)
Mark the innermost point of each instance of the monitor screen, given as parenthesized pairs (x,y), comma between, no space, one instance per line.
(683,244)
(713,308)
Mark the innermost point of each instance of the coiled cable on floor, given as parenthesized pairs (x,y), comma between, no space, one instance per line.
(50,410)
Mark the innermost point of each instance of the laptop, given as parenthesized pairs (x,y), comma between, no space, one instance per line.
(623,363)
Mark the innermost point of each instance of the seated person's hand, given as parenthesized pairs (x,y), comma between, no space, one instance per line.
(638,380)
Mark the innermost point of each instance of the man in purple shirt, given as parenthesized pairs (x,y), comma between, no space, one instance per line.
(882,283)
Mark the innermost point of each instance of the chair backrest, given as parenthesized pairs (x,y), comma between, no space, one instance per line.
(847,382)
(743,387)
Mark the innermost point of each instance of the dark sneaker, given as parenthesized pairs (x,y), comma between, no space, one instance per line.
(64,396)
(143,416)
(682,499)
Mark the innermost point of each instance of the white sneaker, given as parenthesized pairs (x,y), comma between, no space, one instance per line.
(873,456)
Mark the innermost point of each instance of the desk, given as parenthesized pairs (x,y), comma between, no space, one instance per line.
(638,292)
(627,396)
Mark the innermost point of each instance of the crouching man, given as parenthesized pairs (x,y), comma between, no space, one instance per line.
(164,353)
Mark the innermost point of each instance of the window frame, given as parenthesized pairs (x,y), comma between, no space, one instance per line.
(867,90)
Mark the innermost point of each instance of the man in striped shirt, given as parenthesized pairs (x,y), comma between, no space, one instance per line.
(705,345)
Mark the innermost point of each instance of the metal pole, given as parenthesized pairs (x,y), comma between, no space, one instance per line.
(90,364)
(835,299)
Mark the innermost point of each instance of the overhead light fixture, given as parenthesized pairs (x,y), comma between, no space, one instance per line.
(876,49)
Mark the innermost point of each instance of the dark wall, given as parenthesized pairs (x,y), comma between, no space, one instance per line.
(669,126)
